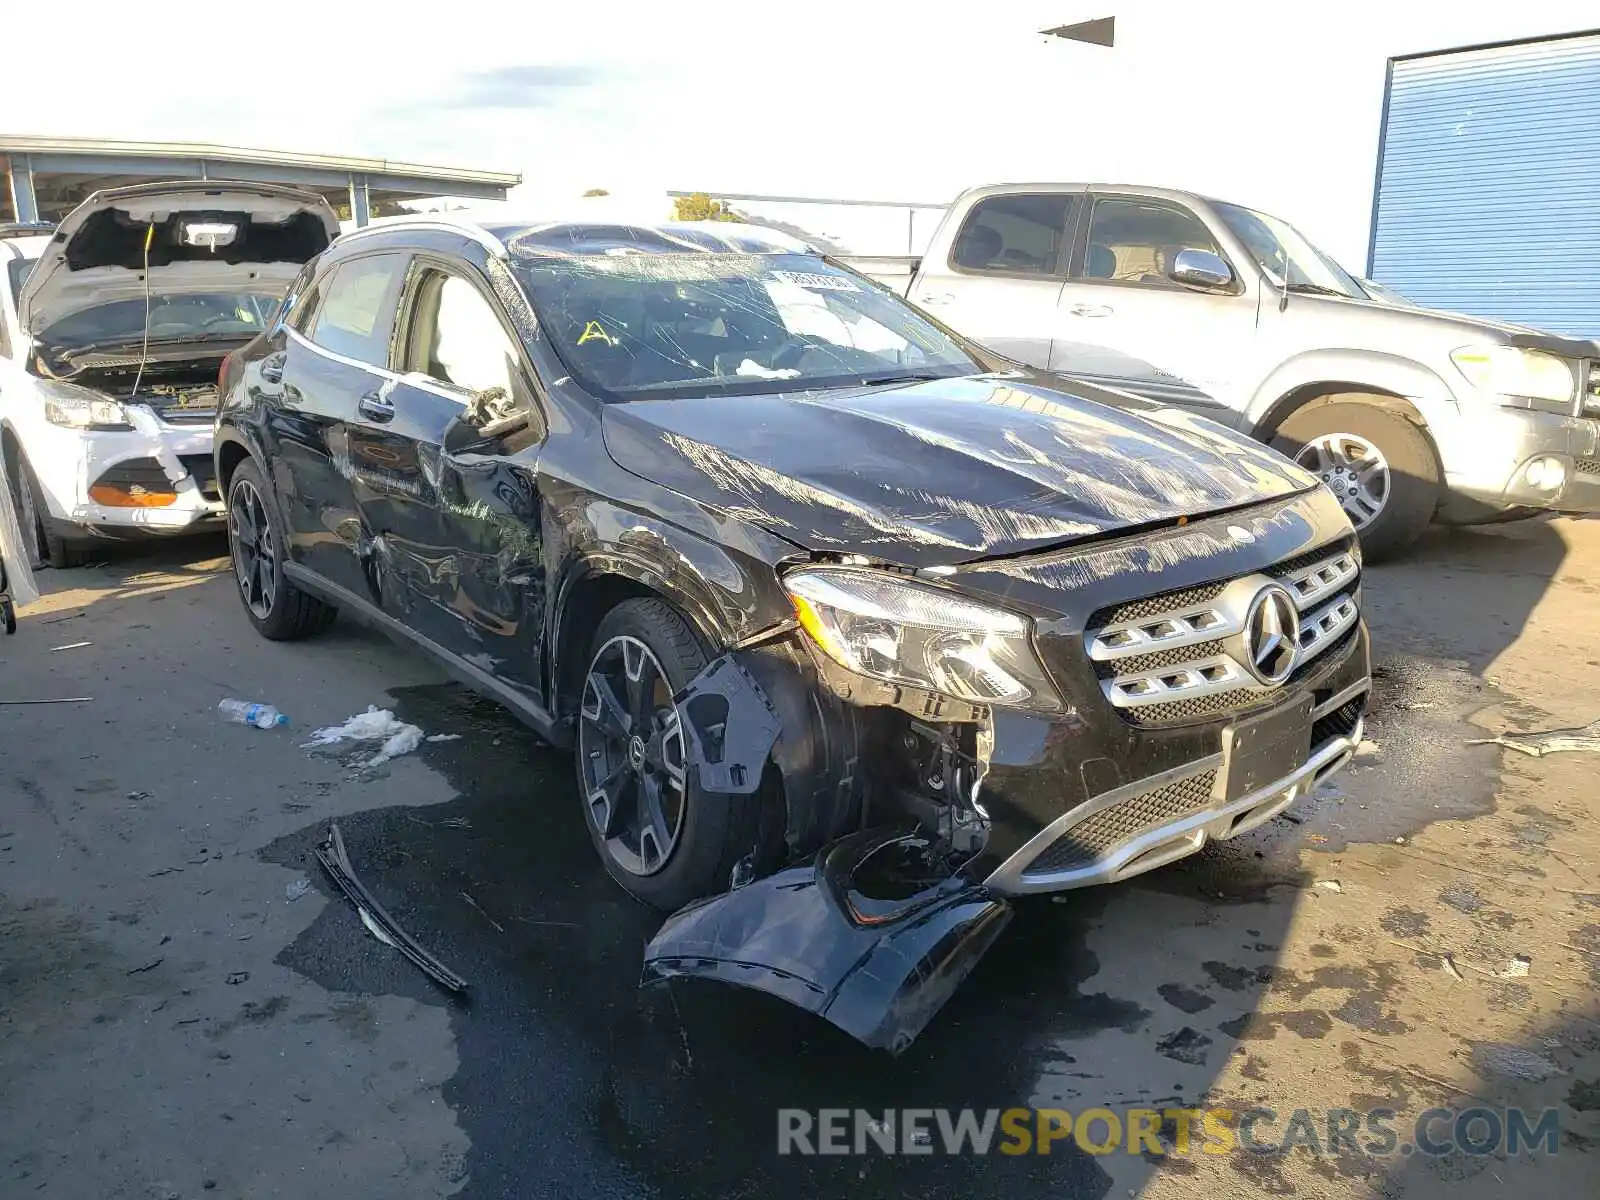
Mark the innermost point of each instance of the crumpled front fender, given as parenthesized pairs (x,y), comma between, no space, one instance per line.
(869,936)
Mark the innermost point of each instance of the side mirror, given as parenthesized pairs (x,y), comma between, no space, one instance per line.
(1200,269)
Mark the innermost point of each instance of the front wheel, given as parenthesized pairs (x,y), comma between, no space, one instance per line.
(661,836)
(1379,466)
(279,610)
(44,545)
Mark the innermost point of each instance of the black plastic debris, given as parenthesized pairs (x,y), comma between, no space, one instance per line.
(335,861)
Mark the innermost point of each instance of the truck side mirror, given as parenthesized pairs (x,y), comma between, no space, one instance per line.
(1200,269)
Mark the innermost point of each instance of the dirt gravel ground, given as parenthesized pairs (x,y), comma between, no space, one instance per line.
(188,1009)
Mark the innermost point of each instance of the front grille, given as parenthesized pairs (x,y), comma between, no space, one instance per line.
(1589,466)
(1341,722)
(203,469)
(1151,606)
(1100,833)
(1233,701)
(1176,657)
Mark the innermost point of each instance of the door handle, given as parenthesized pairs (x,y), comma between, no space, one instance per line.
(938,298)
(272,367)
(377,406)
(1090,310)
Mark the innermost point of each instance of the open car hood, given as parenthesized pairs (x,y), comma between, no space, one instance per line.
(945,471)
(97,254)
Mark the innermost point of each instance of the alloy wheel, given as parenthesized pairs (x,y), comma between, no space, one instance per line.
(631,756)
(1353,469)
(255,556)
(27,508)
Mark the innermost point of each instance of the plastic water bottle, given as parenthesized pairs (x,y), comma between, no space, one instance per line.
(242,712)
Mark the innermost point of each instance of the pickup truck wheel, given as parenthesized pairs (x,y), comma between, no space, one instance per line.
(45,546)
(662,837)
(279,611)
(1378,464)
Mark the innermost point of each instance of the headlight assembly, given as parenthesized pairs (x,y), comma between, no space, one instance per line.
(1543,379)
(78,408)
(901,632)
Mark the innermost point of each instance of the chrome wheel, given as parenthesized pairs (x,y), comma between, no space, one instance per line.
(255,555)
(1353,469)
(631,756)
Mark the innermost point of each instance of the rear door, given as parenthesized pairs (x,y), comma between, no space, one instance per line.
(333,362)
(1002,279)
(1125,323)
(476,568)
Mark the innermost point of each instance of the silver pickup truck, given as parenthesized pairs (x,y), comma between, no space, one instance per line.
(1407,414)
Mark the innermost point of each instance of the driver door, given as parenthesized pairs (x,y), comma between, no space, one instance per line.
(477,573)
(1125,323)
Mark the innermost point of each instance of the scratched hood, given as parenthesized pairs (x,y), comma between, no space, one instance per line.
(945,471)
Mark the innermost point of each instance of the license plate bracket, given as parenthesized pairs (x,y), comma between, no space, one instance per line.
(1263,749)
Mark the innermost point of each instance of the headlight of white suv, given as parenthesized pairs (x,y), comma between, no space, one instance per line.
(900,632)
(1531,375)
(75,407)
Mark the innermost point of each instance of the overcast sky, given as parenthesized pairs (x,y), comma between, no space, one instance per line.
(1268,102)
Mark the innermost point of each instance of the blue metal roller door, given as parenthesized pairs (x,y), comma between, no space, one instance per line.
(1488,192)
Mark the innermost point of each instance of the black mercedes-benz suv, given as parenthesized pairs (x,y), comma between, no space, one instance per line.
(855,629)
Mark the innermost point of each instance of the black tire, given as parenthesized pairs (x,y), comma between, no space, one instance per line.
(715,830)
(279,611)
(1414,486)
(45,546)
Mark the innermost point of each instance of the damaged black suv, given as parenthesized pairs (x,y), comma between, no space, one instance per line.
(855,629)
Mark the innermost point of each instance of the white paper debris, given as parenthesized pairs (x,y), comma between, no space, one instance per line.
(296,889)
(752,368)
(1450,965)
(1516,968)
(442,737)
(373,725)
(1329,885)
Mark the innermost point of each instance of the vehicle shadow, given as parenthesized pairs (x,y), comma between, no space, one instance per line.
(1112,998)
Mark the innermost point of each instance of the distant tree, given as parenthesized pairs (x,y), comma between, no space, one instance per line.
(596,192)
(377,206)
(698,206)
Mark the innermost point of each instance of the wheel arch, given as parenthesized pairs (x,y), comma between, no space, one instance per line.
(1333,391)
(591,587)
(232,447)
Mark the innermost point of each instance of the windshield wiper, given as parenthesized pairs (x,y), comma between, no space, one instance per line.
(904,377)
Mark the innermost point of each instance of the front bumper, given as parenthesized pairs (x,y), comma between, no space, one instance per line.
(156,478)
(1486,468)
(1158,820)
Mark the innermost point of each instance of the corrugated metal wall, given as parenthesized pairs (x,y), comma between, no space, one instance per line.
(1488,196)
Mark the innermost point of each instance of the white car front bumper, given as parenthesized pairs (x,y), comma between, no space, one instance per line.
(155,478)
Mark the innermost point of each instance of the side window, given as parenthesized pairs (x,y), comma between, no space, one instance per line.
(355,308)
(1015,235)
(1135,241)
(456,336)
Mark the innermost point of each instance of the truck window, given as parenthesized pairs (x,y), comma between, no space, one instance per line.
(1015,235)
(1135,241)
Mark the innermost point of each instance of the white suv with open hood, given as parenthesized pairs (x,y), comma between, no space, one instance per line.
(112,332)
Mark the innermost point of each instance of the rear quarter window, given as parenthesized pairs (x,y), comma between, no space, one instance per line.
(1022,234)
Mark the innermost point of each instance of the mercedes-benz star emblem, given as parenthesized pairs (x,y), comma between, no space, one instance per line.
(636,752)
(1272,634)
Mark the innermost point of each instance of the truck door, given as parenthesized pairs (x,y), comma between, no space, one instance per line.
(1002,279)
(1127,323)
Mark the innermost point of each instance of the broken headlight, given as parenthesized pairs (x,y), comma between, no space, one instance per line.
(79,408)
(900,632)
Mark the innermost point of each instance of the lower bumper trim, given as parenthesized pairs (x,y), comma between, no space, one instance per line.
(1172,815)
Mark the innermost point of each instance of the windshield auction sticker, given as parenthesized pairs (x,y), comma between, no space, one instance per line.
(815,282)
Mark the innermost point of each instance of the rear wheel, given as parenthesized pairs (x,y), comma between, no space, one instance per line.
(1377,464)
(659,834)
(279,610)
